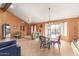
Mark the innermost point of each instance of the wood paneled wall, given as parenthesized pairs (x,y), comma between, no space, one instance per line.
(9,18)
(13,21)
(72,27)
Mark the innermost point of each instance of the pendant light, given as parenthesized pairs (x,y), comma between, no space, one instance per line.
(49,25)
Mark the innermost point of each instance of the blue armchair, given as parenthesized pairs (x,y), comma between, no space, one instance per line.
(9,48)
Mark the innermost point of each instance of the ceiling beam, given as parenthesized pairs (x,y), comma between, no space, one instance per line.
(5,6)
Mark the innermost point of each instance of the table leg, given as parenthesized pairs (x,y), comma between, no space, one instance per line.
(48,44)
(59,45)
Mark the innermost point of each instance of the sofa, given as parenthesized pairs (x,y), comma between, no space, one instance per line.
(27,37)
(35,35)
(9,48)
(75,47)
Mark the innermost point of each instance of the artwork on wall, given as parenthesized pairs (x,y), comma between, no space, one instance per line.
(41,26)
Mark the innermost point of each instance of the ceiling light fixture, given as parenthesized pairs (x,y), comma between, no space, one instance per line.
(49,26)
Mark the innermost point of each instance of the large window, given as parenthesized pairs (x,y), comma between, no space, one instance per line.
(55,29)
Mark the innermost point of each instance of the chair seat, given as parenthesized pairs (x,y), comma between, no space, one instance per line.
(55,42)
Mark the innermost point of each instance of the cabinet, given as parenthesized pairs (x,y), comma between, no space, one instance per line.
(6,28)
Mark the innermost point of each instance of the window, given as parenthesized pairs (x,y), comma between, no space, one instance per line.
(33,28)
(55,29)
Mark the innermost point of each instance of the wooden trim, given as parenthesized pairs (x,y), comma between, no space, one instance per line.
(54,21)
(5,6)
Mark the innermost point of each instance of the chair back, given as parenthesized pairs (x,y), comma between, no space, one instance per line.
(59,37)
(42,38)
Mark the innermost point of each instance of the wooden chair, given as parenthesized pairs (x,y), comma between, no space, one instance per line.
(42,42)
(56,41)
